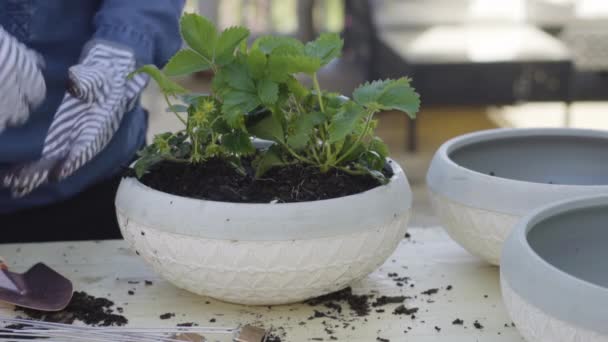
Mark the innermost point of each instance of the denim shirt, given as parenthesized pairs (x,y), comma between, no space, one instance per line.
(58,30)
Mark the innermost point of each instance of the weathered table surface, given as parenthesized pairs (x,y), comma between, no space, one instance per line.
(429,258)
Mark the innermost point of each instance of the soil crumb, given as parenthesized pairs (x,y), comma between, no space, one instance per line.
(83,307)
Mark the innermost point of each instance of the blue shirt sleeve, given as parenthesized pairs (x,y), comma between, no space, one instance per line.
(149,27)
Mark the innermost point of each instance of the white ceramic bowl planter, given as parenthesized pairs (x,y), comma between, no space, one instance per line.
(482,183)
(554,274)
(264,254)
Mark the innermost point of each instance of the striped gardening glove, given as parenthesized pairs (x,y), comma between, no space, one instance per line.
(22,86)
(92,109)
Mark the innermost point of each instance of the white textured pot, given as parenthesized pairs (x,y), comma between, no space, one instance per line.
(263,254)
(482,183)
(554,275)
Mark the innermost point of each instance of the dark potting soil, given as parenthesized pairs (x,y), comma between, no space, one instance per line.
(167,315)
(458,321)
(384,300)
(357,303)
(83,307)
(402,310)
(218,181)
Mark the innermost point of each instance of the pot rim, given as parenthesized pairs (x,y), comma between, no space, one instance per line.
(469,187)
(228,220)
(543,284)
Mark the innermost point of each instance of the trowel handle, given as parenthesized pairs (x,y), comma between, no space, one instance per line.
(3,265)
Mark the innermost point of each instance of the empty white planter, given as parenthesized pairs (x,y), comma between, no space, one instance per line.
(264,254)
(554,273)
(482,183)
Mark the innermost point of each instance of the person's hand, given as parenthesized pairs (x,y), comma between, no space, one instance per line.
(99,96)
(22,86)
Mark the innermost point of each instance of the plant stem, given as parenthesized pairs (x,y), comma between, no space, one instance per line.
(174,112)
(295,155)
(354,145)
(352,172)
(314,153)
(318,90)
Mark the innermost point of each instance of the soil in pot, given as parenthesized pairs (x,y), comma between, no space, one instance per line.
(216,180)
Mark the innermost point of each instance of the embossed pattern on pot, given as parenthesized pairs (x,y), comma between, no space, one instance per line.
(538,326)
(481,232)
(264,272)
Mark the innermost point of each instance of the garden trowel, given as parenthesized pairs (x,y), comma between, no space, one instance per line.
(39,288)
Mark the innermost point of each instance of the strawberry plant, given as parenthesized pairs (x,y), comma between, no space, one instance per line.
(255,94)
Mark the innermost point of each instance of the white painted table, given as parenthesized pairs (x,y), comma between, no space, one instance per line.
(429,258)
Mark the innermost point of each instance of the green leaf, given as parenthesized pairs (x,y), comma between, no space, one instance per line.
(267,128)
(238,142)
(167,86)
(268,91)
(267,44)
(199,33)
(345,121)
(279,66)
(303,128)
(355,153)
(325,48)
(372,160)
(378,146)
(237,76)
(185,62)
(228,41)
(236,104)
(296,88)
(269,159)
(148,157)
(256,61)
(387,95)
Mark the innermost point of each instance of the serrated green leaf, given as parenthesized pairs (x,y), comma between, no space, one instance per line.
(280,66)
(148,157)
(199,33)
(345,121)
(144,163)
(269,159)
(303,128)
(296,88)
(256,61)
(165,84)
(267,44)
(278,69)
(237,76)
(372,160)
(378,146)
(305,64)
(227,42)
(389,94)
(267,128)
(325,48)
(238,142)
(236,104)
(185,62)
(268,91)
